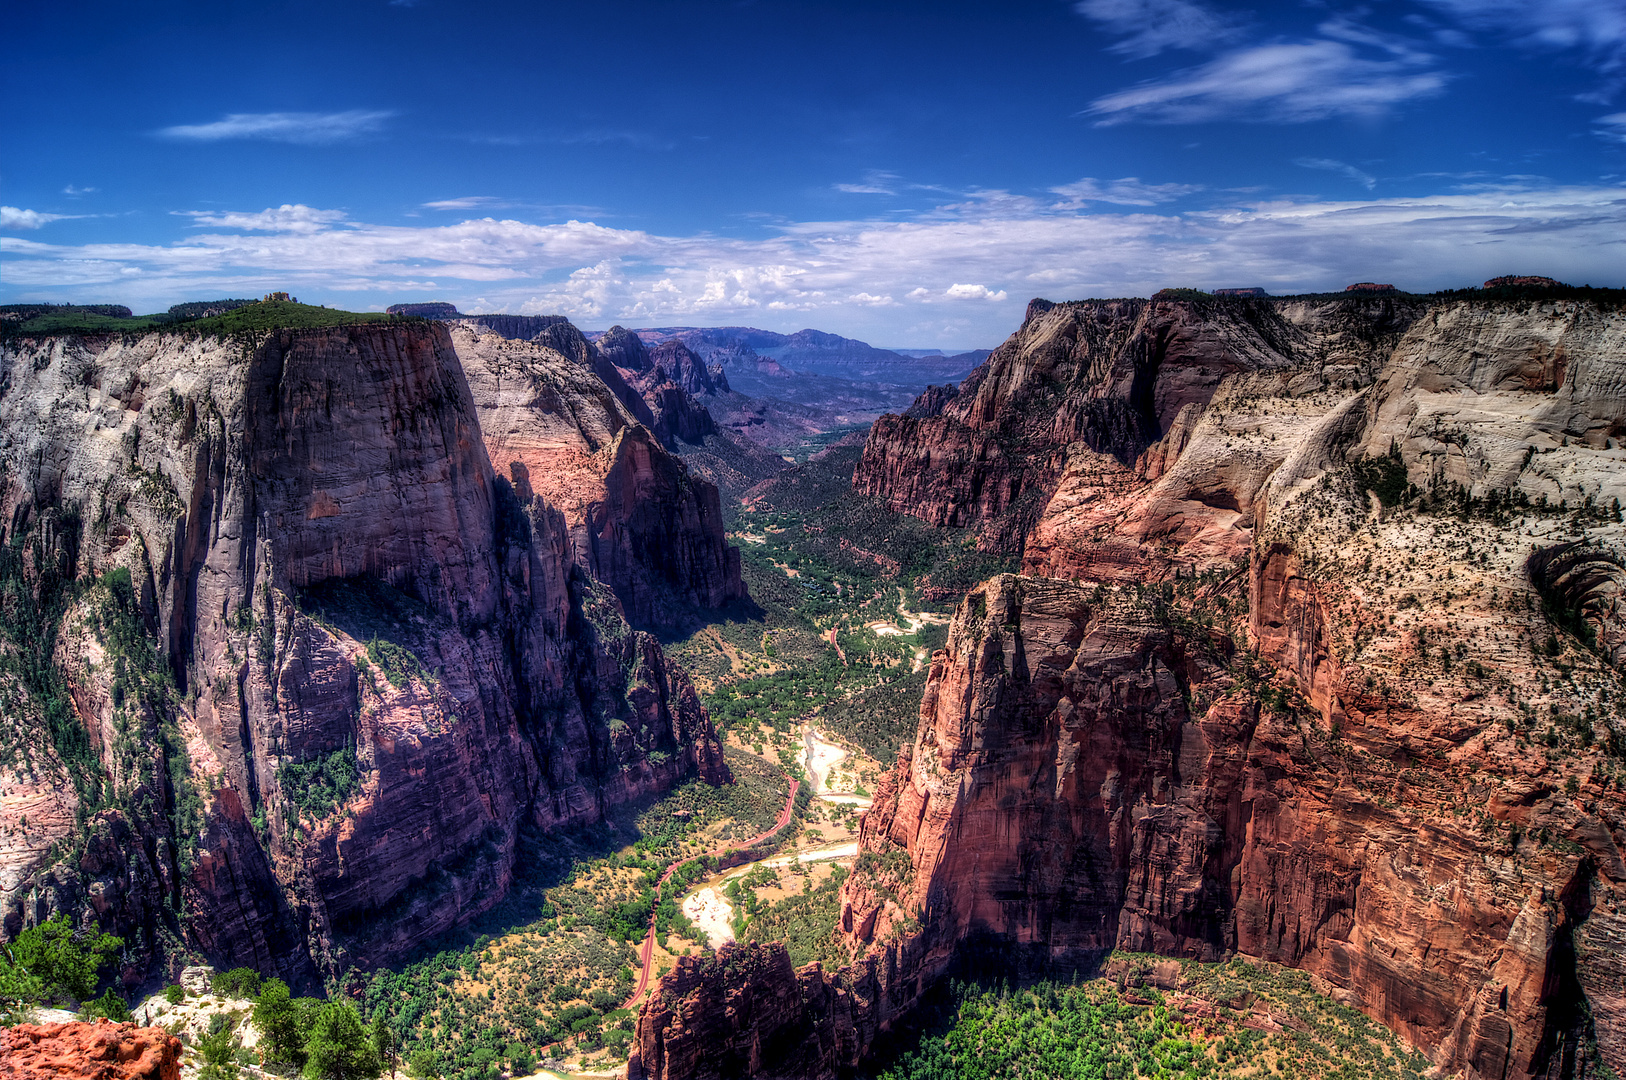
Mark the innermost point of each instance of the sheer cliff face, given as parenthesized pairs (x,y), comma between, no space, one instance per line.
(1321,668)
(637,520)
(1113,377)
(346,595)
(1089,778)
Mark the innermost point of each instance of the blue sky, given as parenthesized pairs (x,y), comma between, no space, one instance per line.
(909,173)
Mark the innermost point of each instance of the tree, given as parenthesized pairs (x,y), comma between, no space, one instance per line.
(339,1047)
(385,1044)
(285,1022)
(219,1051)
(424,1064)
(51,962)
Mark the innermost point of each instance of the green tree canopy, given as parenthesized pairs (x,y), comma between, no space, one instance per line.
(340,1047)
(285,1022)
(50,962)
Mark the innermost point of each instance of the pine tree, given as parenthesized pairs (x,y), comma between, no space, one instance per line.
(339,1047)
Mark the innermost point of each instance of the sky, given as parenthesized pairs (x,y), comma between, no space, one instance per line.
(907,173)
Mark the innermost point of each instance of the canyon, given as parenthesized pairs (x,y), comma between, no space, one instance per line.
(1314,659)
(324,663)
(1314,655)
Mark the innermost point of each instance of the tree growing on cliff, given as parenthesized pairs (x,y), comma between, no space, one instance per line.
(285,1023)
(51,963)
(339,1047)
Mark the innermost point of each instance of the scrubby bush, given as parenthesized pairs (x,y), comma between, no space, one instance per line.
(109,1005)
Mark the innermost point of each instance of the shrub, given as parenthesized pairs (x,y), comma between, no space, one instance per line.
(239,982)
(110,1005)
(174,993)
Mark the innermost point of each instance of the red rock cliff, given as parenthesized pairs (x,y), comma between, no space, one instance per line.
(1333,683)
(284,508)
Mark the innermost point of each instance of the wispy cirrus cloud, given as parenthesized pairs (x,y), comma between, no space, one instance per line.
(288,127)
(465,202)
(1365,179)
(975,261)
(1597,28)
(1612,127)
(294,218)
(1346,71)
(1148,27)
(1128,191)
(875,182)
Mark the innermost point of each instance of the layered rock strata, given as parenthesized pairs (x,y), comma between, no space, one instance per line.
(1332,679)
(375,662)
(1111,376)
(637,520)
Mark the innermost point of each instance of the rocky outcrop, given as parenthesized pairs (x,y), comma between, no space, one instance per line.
(744,1011)
(637,520)
(687,370)
(430,309)
(1111,376)
(348,600)
(1332,680)
(99,1051)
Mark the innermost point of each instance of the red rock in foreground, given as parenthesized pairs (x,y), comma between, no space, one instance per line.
(99,1051)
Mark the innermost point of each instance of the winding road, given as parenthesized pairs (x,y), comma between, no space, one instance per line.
(649,938)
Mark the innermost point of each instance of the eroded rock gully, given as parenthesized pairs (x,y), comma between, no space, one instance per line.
(1313,662)
(312,531)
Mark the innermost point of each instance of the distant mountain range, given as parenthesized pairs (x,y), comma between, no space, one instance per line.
(815,352)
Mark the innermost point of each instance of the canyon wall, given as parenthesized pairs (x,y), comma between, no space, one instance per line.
(376,661)
(637,519)
(1314,660)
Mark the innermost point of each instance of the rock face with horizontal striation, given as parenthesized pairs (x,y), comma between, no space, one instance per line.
(347,599)
(1111,376)
(1315,660)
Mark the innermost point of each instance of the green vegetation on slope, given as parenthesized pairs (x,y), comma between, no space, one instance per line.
(804,921)
(1275,1026)
(552,964)
(219,318)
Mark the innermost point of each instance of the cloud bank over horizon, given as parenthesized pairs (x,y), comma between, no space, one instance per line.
(962,270)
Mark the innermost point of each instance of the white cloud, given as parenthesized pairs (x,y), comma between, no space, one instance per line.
(13,217)
(1366,180)
(289,217)
(875,183)
(1596,27)
(1288,82)
(980,260)
(1126,192)
(466,202)
(1613,127)
(1150,26)
(289,127)
(74,192)
(973,292)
